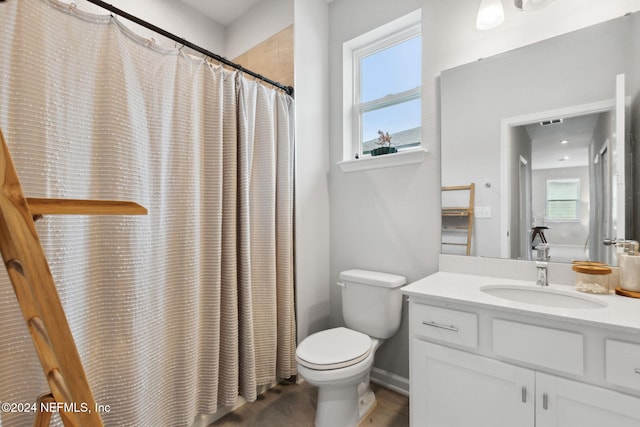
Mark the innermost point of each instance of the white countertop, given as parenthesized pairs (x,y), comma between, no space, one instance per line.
(619,313)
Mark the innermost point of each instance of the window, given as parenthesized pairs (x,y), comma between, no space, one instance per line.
(387,77)
(563,199)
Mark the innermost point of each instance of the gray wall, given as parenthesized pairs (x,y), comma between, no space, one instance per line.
(521,146)
(384,219)
(311,33)
(603,132)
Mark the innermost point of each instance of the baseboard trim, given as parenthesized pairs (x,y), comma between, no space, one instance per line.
(390,380)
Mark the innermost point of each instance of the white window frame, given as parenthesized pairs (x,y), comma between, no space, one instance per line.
(349,163)
(576,200)
(359,108)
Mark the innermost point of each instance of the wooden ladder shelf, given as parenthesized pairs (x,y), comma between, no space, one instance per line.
(465,216)
(36,291)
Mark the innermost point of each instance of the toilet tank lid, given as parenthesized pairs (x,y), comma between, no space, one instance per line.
(374,278)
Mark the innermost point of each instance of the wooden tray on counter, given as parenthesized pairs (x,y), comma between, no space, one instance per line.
(626,293)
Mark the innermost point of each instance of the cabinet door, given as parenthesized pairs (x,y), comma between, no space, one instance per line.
(565,403)
(452,388)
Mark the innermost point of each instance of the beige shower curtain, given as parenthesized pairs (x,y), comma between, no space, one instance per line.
(180,311)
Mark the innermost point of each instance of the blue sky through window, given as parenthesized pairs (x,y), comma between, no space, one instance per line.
(386,72)
(392,119)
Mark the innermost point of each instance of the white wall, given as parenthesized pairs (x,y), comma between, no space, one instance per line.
(263,20)
(172,16)
(311,32)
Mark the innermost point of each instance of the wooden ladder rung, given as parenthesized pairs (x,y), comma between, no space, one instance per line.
(39,206)
(455,213)
(456,187)
(43,418)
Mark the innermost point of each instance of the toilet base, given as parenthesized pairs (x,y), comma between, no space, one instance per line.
(337,407)
(366,404)
(344,395)
(344,407)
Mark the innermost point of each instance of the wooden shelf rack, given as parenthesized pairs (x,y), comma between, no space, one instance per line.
(36,291)
(463,216)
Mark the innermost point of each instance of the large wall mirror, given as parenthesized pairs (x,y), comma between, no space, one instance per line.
(546,134)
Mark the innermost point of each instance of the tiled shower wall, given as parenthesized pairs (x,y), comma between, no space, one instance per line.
(273,58)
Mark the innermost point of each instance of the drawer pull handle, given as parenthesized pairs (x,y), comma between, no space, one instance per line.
(524,395)
(637,370)
(440,325)
(545,401)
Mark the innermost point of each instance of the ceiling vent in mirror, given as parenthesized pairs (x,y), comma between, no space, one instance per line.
(551,122)
(531,5)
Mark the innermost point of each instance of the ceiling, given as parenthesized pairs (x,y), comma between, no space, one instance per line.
(221,11)
(547,150)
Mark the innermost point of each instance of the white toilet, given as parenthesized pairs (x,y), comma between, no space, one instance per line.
(338,360)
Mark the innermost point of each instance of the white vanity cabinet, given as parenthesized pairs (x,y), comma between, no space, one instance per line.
(487,368)
(565,403)
(452,388)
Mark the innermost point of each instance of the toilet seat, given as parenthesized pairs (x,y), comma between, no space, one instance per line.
(333,349)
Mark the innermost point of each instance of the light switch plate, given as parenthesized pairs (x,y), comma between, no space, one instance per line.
(482,212)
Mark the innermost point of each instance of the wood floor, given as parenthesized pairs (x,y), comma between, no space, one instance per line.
(294,405)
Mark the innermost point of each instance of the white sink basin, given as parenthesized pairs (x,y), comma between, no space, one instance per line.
(542,296)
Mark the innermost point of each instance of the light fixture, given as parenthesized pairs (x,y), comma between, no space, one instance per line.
(490,14)
(564,141)
(531,5)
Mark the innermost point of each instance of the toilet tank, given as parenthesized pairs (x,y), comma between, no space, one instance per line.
(372,302)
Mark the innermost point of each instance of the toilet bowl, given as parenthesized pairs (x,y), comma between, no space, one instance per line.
(338,361)
(341,373)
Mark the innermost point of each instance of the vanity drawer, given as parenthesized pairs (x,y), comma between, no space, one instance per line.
(542,346)
(622,364)
(442,324)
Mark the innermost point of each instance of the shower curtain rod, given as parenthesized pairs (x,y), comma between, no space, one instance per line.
(123,14)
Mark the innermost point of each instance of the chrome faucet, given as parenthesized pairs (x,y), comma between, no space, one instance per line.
(542,259)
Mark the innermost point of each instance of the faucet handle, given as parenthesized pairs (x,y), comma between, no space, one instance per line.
(542,252)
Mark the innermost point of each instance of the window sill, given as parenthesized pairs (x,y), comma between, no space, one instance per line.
(402,158)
